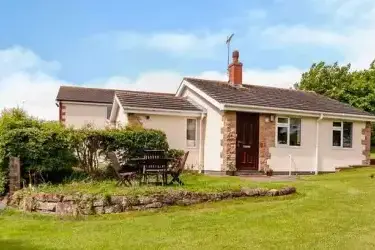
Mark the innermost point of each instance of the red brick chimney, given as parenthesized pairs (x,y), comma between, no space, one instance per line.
(235,70)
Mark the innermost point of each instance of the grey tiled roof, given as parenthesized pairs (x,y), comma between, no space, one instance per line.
(80,94)
(135,99)
(151,100)
(262,96)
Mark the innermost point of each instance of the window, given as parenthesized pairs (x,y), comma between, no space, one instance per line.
(109,109)
(289,131)
(342,133)
(191,132)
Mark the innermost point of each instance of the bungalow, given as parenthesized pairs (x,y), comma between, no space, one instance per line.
(231,126)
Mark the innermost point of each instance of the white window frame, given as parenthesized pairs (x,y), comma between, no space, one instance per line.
(341,129)
(196,132)
(286,125)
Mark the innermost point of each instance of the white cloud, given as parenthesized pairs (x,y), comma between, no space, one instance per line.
(283,77)
(302,34)
(36,92)
(156,81)
(200,44)
(346,9)
(25,80)
(354,39)
(38,89)
(20,59)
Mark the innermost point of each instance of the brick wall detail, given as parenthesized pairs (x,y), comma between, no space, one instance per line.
(266,140)
(229,136)
(62,113)
(366,143)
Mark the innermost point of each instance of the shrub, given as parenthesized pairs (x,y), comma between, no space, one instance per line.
(3,182)
(176,154)
(43,147)
(91,144)
(130,143)
(48,151)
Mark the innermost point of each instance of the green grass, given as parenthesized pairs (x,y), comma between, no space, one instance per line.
(333,211)
(372,156)
(193,182)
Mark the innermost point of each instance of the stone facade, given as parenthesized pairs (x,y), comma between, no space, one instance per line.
(135,120)
(228,143)
(83,204)
(266,140)
(366,142)
(14,174)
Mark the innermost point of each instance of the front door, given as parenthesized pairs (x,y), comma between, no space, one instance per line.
(247,141)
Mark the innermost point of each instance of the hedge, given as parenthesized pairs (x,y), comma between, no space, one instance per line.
(90,144)
(48,151)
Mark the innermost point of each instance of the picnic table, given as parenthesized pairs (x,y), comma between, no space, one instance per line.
(154,163)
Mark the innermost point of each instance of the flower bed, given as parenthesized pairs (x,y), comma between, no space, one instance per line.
(87,204)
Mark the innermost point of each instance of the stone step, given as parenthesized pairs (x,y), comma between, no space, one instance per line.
(338,169)
(248,172)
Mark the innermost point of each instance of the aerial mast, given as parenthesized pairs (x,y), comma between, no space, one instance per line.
(229,39)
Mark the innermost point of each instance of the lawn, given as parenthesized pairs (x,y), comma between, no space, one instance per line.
(193,182)
(334,211)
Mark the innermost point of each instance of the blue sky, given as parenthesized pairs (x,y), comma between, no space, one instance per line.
(152,44)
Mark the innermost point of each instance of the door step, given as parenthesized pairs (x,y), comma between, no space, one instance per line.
(248,172)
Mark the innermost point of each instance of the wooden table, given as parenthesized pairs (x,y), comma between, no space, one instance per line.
(156,166)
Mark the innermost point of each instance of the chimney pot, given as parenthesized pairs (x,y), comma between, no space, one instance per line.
(235,69)
(235,55)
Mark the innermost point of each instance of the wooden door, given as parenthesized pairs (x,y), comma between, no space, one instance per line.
(247,156)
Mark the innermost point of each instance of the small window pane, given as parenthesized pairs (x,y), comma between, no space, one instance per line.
(337,124)
(191,132)
(336,138)
(282,135)
(347,134)
(295,132)
(109,109)
(282,120)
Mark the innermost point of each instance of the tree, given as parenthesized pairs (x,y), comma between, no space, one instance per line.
(356,88)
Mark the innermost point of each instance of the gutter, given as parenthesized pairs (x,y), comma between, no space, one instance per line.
(200,152)
(286,111)
(317,144)
(129,109)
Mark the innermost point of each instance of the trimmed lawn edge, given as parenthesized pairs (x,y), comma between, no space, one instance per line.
(86,204)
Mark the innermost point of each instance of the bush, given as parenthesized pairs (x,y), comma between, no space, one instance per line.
(43,147)
(91,144)
(131,143)
(3,182)
(48,151)
(176,154)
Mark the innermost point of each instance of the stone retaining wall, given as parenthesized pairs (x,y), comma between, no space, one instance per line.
(93,204)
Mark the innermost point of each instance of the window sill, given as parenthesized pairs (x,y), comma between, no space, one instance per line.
(342,148)
(288,146)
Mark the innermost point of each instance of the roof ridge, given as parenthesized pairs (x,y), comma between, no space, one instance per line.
(83,87)
(206,80)
(249,85)
(145,92)
(120,90)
